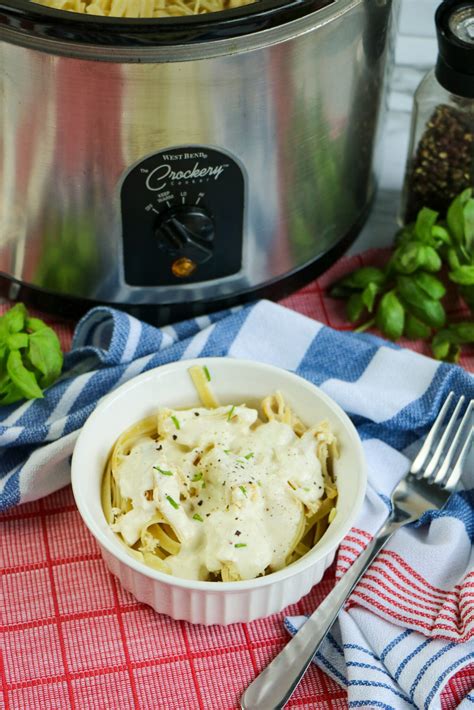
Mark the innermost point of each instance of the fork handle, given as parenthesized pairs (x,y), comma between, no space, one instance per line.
(275,685)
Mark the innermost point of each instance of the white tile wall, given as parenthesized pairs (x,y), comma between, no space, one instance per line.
(417,18)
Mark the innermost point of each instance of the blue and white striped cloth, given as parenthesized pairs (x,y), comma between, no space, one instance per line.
(411,625)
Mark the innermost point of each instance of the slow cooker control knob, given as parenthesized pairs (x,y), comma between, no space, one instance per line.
(186,231)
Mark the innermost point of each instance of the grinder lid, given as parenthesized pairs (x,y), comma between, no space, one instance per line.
(455,30)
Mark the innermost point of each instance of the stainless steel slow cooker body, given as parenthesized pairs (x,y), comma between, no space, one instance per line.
(173,167)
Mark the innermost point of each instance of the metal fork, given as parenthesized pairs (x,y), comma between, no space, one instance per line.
(433,476)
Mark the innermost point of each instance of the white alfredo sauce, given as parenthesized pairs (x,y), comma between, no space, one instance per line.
(233,490)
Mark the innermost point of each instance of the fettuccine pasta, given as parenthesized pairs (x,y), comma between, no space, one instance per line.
(144,8)
(221,493)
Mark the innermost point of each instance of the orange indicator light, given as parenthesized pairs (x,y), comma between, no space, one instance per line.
(183,267)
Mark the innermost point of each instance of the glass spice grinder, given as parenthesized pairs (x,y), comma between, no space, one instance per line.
(441,149)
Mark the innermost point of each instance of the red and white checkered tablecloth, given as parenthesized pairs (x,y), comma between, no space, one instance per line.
(71,637)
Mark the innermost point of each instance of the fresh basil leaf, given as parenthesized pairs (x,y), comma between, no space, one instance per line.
(453,259)
(34,324)
(45,355)
(430,312)
(444,349)
(420,305)
(22,378)
(440,235)
(415,329)
(13,320)
(407,258)
(405,235)
(432,286)
(4,376)
(469,226)
(17,341)
(463,275)
(10,394)
(446,344)
(355,307)
(30,356)
(412,256)
(409,290)
(425,221)
(4,379)
(369,295)
(430,259)
(462,332)
(454,353)
(4,334)
(362,277)
(356,281)
(390,318)
(455,215)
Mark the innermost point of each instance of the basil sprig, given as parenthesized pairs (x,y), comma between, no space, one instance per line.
(30,356)
(405,297)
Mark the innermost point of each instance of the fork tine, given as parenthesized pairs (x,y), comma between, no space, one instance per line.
(422,455)
(453,479)
(443,473)
(435,459)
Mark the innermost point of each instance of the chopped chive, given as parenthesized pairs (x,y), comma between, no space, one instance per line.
(204,484)
(197,477)
(231,411)
(175,422)
(172,502)
(249,456)
(227,451)
(259,483)
(162,471)
(197,517)
(243,489)
(240,544)
(207,373)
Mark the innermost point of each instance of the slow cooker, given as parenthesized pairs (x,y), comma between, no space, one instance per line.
(176,166)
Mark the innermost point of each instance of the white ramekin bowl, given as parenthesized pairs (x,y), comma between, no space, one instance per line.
(234,382)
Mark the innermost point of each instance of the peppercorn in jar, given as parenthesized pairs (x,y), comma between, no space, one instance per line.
(441,154)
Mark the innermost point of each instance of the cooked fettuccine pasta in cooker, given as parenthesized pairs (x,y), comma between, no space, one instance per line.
(221,493)
(144,8)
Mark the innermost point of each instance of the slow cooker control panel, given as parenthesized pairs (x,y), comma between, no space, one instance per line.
(182,217)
